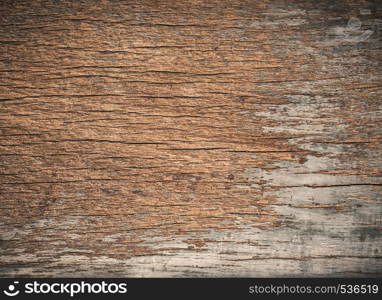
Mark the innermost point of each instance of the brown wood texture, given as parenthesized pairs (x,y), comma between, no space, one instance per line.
(190,138)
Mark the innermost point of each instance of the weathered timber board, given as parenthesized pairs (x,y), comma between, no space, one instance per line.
(190,138)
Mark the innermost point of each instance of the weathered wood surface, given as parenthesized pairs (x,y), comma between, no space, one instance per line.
(190,138)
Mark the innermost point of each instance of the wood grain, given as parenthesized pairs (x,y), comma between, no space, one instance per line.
(190,138)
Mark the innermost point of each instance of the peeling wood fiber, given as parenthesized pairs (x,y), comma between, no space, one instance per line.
(190,138)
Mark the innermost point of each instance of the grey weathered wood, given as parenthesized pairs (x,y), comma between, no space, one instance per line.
(190,138)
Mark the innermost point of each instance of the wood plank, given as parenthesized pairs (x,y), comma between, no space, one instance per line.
(190,138)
